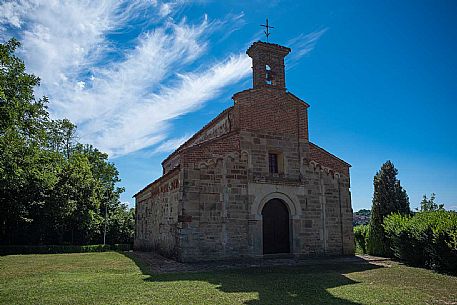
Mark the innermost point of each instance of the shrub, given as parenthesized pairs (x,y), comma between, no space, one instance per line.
(361,237)
(54,249)
(425,239)
(406,238)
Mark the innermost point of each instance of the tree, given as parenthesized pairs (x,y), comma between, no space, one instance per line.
(428,205)
(62,136)
(121,225)
(22,134)
(53,190)
(388,197)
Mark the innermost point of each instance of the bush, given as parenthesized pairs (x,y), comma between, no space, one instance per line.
(406,238)
(425,239)
(54,249)
(361,237)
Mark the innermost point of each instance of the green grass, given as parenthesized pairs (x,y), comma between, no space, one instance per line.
(113,278)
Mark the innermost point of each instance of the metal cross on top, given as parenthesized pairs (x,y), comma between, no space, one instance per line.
(267,32)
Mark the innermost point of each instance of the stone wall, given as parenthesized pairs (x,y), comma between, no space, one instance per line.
(327,213)
(317,198)
(215,201)
(156,212)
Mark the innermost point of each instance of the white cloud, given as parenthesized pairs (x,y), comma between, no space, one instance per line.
(122,98)
(12,12)
(165,9)
(171,144)
(123,94)
(81,84)
(151,114)
(303,44)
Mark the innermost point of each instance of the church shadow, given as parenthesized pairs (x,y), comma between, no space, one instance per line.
(294,285)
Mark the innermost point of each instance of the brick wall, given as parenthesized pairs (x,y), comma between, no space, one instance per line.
(271,110)
(264,54)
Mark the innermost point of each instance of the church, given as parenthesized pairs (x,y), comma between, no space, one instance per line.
(250,184)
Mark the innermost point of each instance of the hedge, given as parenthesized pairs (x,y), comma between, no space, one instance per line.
(25,249)
(426,239)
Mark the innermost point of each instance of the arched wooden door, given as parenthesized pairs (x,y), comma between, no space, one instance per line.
(275,218)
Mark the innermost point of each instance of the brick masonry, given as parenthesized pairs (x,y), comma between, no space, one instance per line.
(208,204)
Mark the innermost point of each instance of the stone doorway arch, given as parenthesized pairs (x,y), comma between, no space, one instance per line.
(275,227)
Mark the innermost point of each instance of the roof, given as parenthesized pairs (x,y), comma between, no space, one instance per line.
(267,45)
(297,99)
(213,121)
(170,173)
(320,149)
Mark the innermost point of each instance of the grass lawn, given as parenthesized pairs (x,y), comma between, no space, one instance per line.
(113,278)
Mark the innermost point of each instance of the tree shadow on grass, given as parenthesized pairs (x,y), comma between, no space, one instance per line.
(303,285)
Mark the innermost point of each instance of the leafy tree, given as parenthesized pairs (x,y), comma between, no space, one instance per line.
(121,225)
(428,205)
(52,188)
(61,136)
(388,197)
(22,133)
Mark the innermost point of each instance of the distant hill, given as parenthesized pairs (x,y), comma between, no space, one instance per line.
(361,217)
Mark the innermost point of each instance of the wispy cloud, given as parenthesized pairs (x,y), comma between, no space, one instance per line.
(122,98)
(124,93)
(303,44)
(171,144)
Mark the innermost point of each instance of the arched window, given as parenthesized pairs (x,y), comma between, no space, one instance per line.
(268,75)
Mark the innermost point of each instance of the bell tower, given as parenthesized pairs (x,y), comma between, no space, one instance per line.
(268,65)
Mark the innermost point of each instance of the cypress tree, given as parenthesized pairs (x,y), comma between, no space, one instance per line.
(388,197)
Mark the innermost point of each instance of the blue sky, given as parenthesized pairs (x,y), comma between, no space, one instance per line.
(139,77)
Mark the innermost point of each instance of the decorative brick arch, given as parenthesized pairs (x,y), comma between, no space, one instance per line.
(292,204)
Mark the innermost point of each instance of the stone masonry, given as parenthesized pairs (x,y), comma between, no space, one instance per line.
(209,203)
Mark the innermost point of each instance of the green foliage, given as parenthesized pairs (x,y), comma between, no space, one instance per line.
(361,237)
(53,249)
(53,190)
(388,197)
(430,205)
(121,225)
(425,239)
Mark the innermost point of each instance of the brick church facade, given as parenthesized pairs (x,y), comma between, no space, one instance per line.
(250,183)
